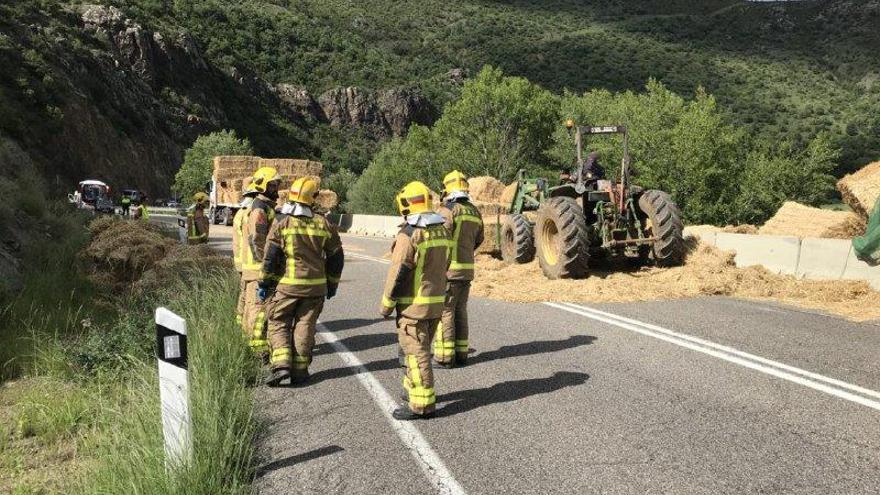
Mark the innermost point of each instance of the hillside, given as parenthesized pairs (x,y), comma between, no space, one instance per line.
(120,96)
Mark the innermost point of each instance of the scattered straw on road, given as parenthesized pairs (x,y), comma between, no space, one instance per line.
(708,272)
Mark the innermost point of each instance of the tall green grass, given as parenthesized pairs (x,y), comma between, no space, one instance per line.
(222,370)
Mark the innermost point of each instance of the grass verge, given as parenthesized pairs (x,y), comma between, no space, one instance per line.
(79,402)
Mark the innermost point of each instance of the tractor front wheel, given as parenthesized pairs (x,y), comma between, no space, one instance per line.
(665,225)
(517,240)
(562,238)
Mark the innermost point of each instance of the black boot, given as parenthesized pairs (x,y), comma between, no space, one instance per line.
(278,375)
(446,366)
(404,413)
(299,379)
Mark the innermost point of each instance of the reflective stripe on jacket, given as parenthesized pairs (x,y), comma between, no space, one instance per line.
(237,226)
(255,229)
(416,282)
(466,225)
(304,254)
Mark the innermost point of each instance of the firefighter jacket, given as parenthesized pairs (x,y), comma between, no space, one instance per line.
(465,224)
(304,255)
(416,282)
(237,228)
(197,226)
(254,231)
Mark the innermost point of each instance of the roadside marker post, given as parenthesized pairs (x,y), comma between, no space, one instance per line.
(171,352)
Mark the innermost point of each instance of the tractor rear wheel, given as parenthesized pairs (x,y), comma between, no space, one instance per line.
(664,224)
(562,238)
(517,240)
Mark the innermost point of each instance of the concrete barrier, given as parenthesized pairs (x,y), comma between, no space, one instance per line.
(778,254)
(857,269)
(370,225)
(823,259)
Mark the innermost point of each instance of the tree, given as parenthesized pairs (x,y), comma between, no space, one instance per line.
(499,125)
(198,160)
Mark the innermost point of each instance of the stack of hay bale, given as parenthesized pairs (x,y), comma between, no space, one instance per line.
(861,189)
(233,173)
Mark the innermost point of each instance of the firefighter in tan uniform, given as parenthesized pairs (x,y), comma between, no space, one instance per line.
(304,258)
(416,288)
(254,231)
(197,224)
(237,226)
(465,225)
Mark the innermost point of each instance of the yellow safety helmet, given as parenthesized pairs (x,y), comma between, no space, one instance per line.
(455,181)
(303,190)
(262,177)
(415,197)
(200,198)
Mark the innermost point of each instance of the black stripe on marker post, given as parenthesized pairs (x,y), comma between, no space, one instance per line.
(171,346)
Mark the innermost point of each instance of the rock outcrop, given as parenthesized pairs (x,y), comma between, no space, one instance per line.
(387,112)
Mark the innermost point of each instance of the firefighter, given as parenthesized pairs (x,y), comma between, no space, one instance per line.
(197,224)
(263,190)
(140,212)
(465,224)
(302,266)
(237,226)
(416,288)
(126,204)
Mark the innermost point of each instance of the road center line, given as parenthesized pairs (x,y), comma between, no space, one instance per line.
(427,459)
(772,368)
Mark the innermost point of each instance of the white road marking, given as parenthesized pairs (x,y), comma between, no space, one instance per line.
(806,378)
(368,258)
(436,472)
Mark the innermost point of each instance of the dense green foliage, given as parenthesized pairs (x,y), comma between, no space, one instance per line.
(715,171)
(785,71)
(198,160)
(499,124)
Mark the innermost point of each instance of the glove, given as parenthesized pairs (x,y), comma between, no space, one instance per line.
(386,312)
(262,293)
(331,291)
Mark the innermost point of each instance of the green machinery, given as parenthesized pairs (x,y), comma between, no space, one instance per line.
(587,218)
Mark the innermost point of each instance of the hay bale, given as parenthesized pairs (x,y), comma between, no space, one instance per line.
(292,168)
(853,226)
(486,189)
(507,194)
(861,189)
(800,220)
(326,200)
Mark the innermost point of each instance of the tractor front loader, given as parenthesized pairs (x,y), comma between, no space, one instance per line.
(588,217)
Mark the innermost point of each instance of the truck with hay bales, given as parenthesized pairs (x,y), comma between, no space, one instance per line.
(233,173)
(590,218)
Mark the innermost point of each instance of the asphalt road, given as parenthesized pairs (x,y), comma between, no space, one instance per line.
(709,395)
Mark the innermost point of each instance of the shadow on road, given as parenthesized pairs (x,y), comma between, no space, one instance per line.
(297,459)
(340,325)
(531,348)
(468,400)
(357,343)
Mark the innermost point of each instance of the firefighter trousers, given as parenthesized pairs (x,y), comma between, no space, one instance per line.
(254,326)
(293,318)
(451,338)
(415,338)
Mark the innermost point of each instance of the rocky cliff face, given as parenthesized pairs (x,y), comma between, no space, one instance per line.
(385,113)
(124,101)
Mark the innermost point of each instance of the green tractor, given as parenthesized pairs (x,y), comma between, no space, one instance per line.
(588,218)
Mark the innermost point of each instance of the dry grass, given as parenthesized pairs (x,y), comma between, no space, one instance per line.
(708,272)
